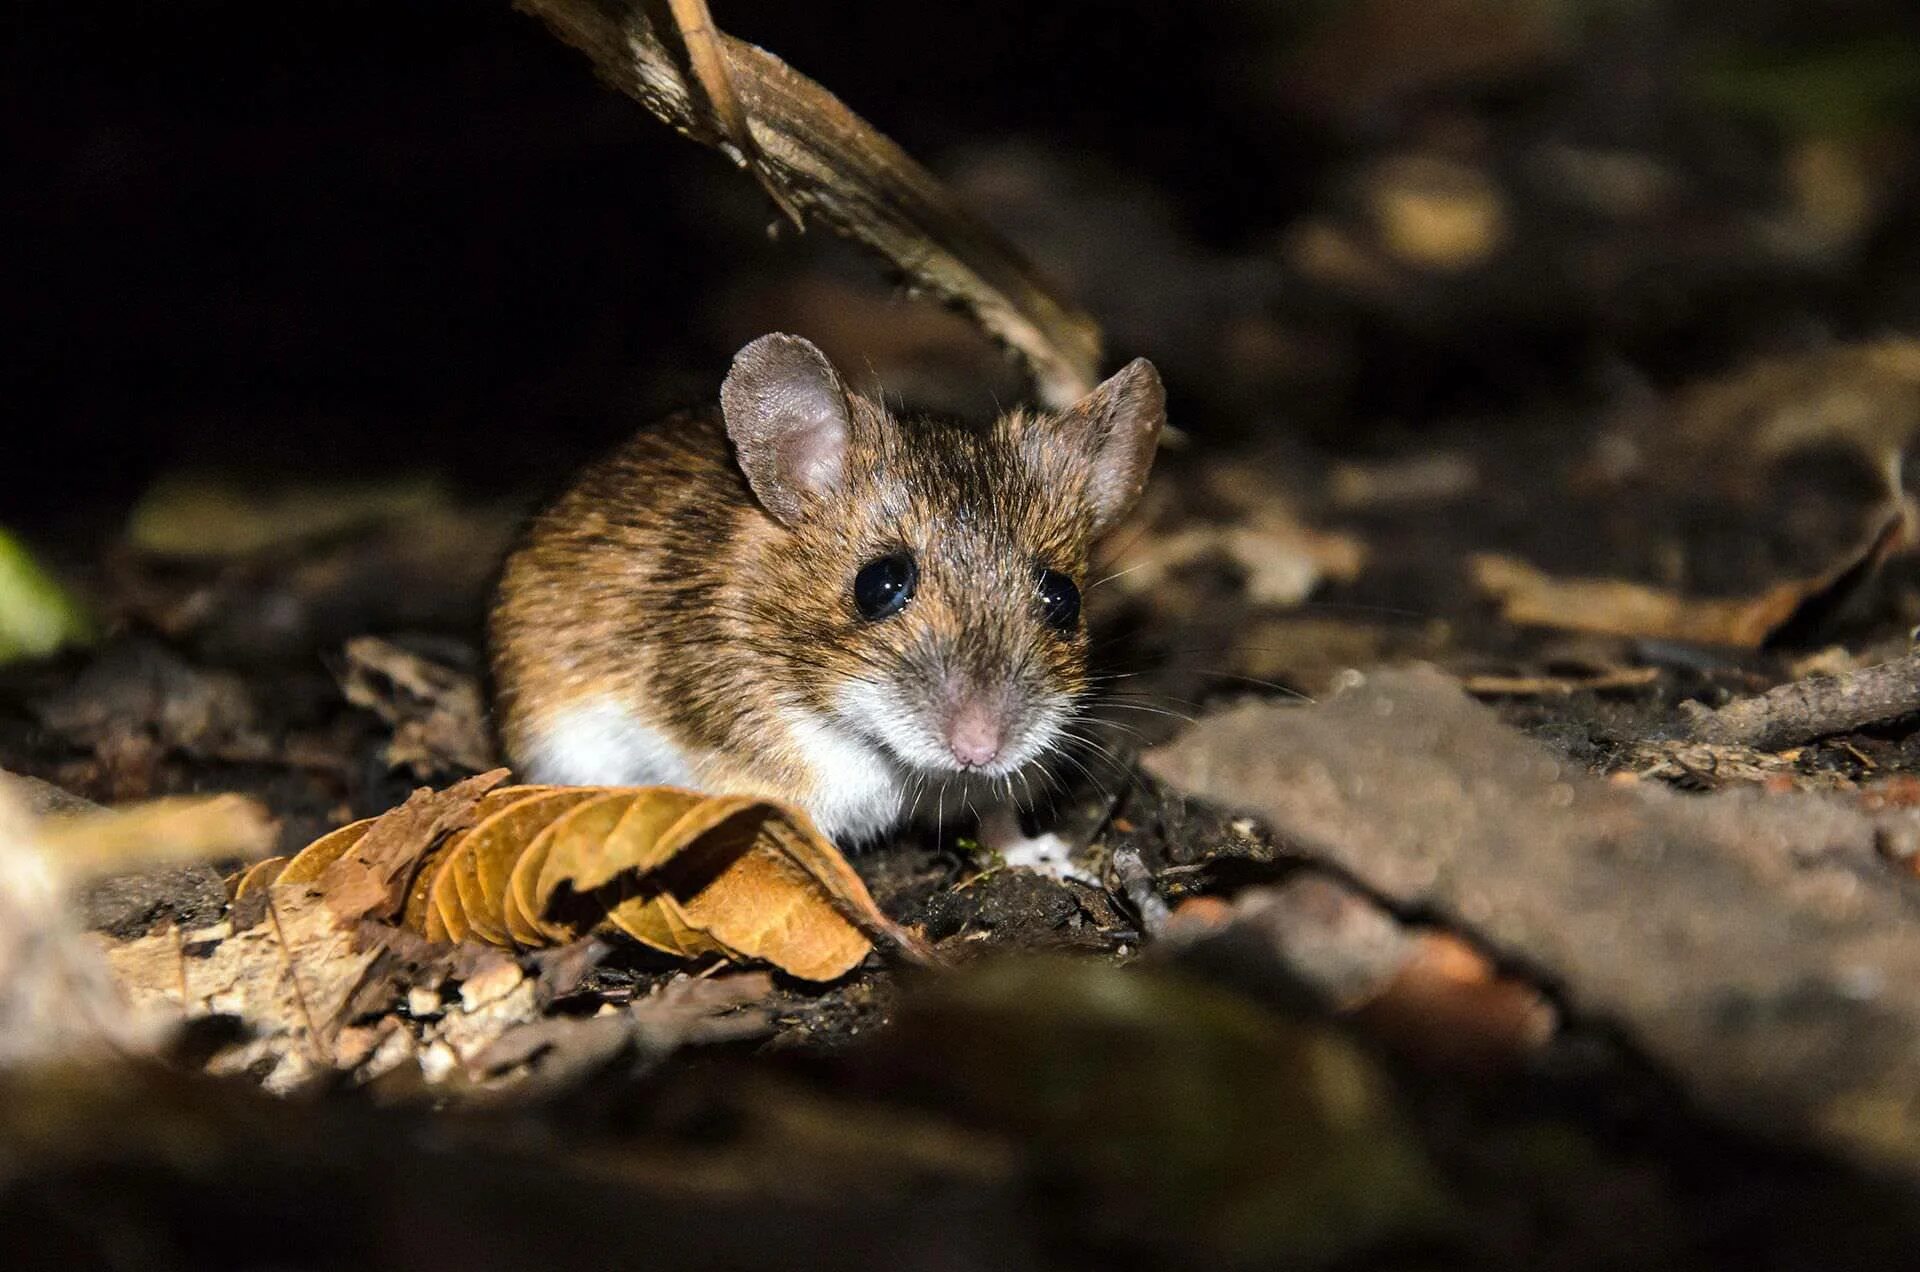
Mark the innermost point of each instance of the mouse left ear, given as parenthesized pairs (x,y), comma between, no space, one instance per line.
(786,411)
(1118,426)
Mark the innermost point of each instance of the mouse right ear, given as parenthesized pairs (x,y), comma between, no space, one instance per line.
(1117,427)
(786,411)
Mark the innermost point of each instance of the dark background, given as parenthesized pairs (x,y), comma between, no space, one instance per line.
(350,236)
(332,245)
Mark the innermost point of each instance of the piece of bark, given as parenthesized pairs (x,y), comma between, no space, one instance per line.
(1755,945)
(128,906)
(1816,707)
(41,798)
(826,162)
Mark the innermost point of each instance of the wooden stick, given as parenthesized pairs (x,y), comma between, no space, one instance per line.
(1816,707)
(825,162)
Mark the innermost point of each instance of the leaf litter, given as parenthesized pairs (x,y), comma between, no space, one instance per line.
(1455,883)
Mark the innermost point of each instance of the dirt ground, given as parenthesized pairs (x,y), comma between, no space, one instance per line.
(1448,902)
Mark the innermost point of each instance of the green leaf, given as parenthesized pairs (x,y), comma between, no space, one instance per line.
(37,616)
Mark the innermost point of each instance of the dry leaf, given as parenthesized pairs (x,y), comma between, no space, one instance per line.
(1864,396)
(370,877)
(1254,525)
(1617,607)
(538,866)
(1607,680)
(1434,213)
(289,978)
(437,713)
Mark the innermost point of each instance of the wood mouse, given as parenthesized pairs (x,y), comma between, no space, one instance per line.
(805,596)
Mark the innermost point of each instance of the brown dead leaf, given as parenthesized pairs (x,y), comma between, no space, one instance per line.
(692,875)
(437,713)
(1253,523)
(372,875)
(256,877)
(1607,680)
(1864,396)
(1425,478)
(1529,597)
(540,866)
(1433,213)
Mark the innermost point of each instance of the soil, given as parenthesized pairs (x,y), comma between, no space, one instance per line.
(1084,1089)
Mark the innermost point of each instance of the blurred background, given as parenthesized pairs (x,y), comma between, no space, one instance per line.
(303,238)
(1571,347)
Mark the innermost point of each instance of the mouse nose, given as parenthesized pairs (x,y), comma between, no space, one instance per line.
(974,734)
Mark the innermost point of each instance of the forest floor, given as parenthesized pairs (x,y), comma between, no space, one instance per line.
(1503,844)
(1444,934)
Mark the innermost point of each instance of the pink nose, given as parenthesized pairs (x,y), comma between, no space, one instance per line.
(973,734)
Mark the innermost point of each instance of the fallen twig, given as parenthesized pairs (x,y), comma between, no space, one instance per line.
(1137,882)
(819,159)
(1816,707)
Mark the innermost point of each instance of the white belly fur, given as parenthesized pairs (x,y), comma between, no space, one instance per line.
(604,744)
(857,791)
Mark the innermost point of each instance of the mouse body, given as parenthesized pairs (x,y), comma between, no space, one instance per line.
(801,595)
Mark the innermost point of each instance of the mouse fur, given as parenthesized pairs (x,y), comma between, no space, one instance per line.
(685,614)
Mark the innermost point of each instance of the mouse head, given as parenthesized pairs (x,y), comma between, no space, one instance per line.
(926,577)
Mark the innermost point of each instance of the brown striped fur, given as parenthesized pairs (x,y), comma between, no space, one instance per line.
(660,583)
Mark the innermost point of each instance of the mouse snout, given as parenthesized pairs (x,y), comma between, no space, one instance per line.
(975,732)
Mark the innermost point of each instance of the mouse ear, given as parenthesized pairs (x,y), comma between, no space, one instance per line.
(786,411)
(1118,427)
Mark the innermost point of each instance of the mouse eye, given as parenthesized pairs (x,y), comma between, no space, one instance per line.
(884,585)
(1059,600)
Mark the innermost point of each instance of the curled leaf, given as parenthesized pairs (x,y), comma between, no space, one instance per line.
(1529,597)
(536,866)
(373,875)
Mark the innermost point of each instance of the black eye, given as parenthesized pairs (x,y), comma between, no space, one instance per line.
(1059,600)
(884,585)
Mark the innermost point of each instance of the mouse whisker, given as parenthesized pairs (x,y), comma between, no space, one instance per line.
(1097,748)
(1150,709)
(1117,574)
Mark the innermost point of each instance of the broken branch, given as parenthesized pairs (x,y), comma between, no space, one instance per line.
(1817,707)
(818,158)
